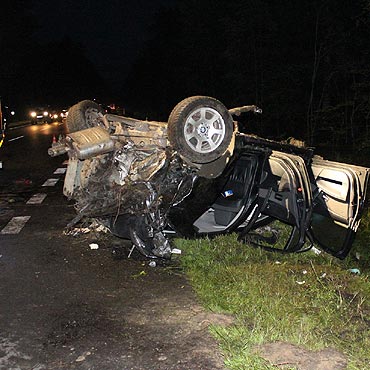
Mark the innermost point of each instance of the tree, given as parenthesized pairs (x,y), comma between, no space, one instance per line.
(304,63)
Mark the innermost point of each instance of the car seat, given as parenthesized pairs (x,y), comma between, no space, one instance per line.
(236,192)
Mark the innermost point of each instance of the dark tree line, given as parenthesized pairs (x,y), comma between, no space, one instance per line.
(304,62)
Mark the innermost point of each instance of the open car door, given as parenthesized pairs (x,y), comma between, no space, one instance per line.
(339,195)
(284,194)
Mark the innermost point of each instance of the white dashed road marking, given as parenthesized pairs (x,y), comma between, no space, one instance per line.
(16,138)
(50,182)
(60,171)
(15,225)
(37,198)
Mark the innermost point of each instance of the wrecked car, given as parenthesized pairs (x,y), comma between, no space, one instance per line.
(198,175)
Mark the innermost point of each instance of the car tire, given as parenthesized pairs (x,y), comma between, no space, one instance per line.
(82,115)
(200,129)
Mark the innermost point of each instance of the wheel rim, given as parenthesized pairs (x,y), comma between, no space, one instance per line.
(92,117)
(204,130)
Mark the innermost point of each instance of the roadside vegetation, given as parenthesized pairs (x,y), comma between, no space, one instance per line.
(313,301)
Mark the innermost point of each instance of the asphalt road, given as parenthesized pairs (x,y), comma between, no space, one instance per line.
(64,305)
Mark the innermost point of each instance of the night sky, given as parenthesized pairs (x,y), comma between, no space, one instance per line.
(111,31)
(305,63)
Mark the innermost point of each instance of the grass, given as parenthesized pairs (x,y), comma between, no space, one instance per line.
(304,299)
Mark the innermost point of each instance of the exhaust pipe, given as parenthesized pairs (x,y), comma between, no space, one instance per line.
(57,149)
(88,143)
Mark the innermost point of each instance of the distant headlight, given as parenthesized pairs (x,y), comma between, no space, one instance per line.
(55,116)
(46,114)
(33,114)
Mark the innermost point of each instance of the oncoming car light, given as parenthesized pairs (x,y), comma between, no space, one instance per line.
(33,114)
(46,114)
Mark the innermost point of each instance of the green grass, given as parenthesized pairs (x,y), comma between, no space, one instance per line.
(304,299)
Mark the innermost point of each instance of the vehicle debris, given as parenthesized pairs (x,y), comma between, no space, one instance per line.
(94,226)
(197,175)
(141,273)
(76,231)
(354,271)
(316,250)
(83,356)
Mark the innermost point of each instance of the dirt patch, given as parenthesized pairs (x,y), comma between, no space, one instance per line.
(158,335)
(288,356)
(74,323)
(77,308)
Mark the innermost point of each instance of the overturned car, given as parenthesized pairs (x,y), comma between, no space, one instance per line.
(198,175)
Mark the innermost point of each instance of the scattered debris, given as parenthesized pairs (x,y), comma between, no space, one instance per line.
(94,246)
(76,231)
(131,250)
(102,229)
(316,250)
(83,357)
(141,273)
(175,251)
(93,227)
(98,227)
(354,271)
(152,264)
